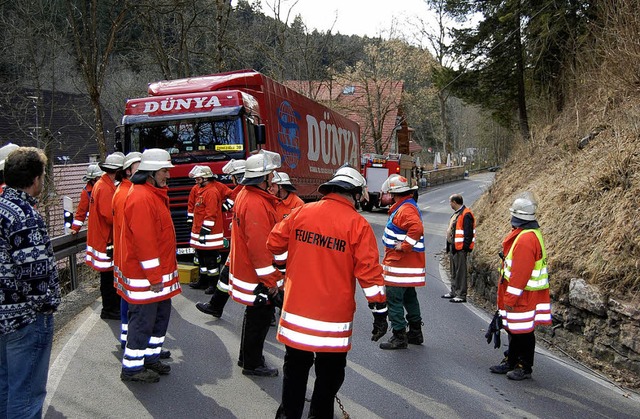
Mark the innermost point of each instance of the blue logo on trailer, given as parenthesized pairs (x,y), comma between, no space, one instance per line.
(289,134)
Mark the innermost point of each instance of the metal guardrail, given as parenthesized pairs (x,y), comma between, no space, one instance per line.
(445,175)
(68,246)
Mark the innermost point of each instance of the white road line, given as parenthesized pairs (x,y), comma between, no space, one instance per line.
(444,276)
(68,352)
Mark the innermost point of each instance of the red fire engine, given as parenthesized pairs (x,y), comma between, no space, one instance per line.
(376,168)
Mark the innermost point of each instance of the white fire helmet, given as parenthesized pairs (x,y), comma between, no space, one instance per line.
(259,165)
(129,159)
(201,171)
(234,167)
(524,207)
(113,161)
(346,178)
(155,159)
(4,153)
(282,179)
(93,172)
(397,184)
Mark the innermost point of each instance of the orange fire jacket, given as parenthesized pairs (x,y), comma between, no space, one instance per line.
(100,225)
(533,307)
(254,216)
(328,246)
(82,212)
(405,268)
(207,212)
(285,206)
(119,198)
(148,247)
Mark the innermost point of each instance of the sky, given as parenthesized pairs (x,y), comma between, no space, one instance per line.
(350,17)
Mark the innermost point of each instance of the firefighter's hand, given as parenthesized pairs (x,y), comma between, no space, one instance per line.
(204,231)
(276,296)
(109,250)
(74,232)
(156,287)
(227,205)
(280,266)
(190,219)
(398,246)
(380,326)
(262,295)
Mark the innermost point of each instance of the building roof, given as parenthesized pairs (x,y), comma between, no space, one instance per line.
(69,118)
(352,100)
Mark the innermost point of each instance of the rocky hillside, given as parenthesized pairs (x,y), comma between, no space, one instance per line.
(583,166)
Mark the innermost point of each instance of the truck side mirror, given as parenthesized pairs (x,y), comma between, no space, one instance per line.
(260,133)
(118,139)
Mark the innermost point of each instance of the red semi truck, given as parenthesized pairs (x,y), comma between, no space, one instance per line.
(211,119)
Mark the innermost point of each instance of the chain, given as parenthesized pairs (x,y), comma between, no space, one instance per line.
(345,415)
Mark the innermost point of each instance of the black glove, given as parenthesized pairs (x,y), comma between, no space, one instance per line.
(109,250)
(281,266)
(203,232)
(227,205)
(493,332)
(277,299)
(380,324)
(262,295)
(190,219)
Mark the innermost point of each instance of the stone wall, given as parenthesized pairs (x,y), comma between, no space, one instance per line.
(599,330)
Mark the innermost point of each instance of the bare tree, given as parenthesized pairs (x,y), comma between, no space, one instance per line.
(32,47)
(94,26)
(436,37)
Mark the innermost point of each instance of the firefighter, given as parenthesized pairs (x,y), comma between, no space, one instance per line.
(327,247)
(227,203)
(206,230)
(149,272)
(523,291)
(129,166)
(282,188)
(403,263)
(215,306)
(252,278)
(4,153)
(100,234)
(82,212)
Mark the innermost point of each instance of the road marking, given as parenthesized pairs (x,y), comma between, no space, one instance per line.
(68,352)
(430,407)
(444,276)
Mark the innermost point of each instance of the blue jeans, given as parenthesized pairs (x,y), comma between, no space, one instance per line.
(24,366)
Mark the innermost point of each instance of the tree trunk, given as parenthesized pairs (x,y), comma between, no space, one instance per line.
(100,139)
(523,118)
(442,99)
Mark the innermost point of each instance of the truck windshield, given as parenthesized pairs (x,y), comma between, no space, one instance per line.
(192,140)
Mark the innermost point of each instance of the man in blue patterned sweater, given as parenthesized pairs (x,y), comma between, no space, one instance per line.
(29,288)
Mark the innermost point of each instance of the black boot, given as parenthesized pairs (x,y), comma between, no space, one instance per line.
(212,282)
(216,305)
(414,335)
(201,284)
(397,341)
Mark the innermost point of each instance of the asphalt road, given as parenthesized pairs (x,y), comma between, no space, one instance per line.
(446,377)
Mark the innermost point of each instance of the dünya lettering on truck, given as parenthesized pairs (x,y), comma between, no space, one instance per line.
(376,168)
(211,119)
